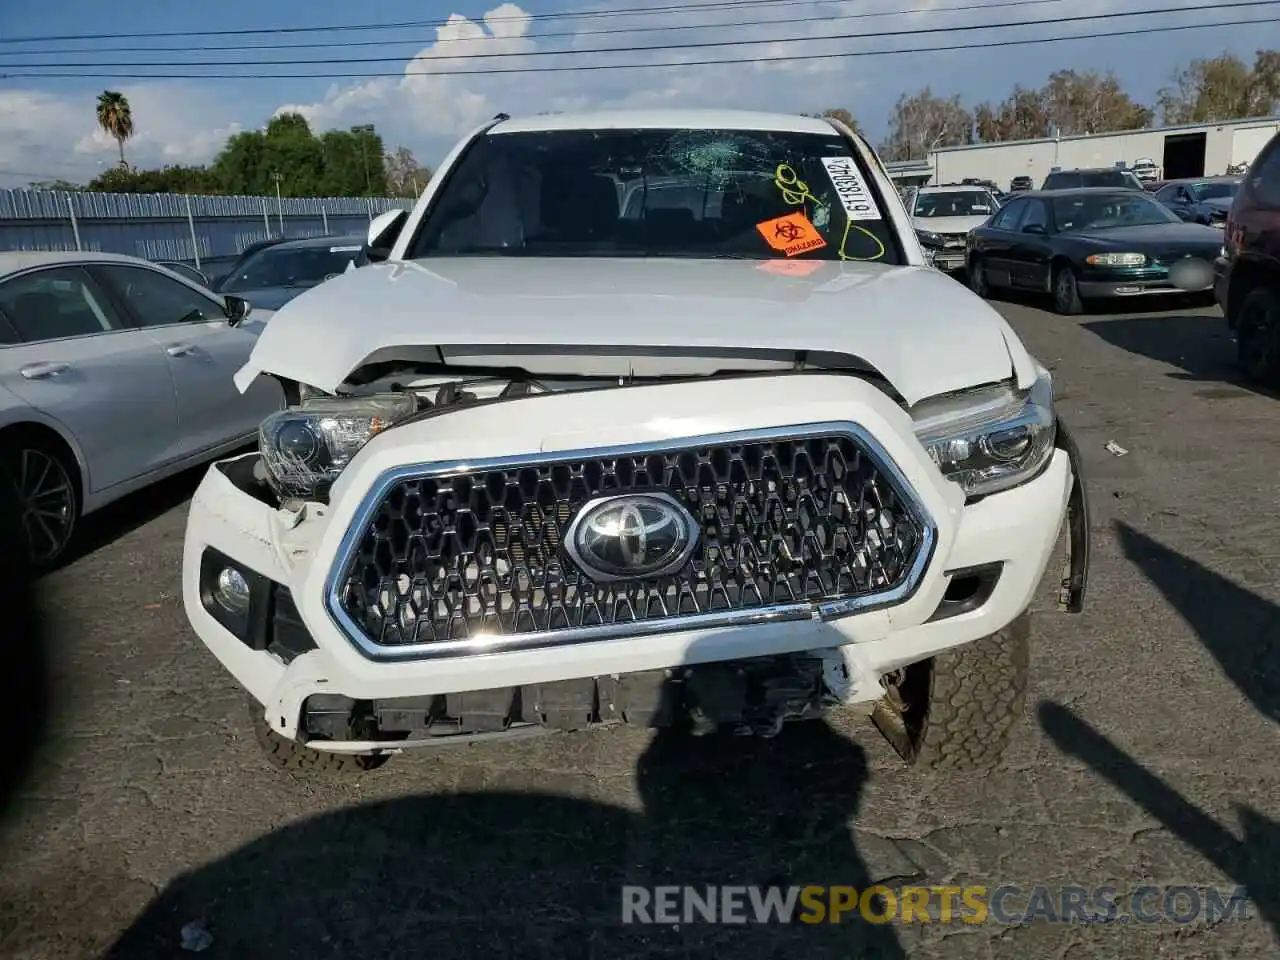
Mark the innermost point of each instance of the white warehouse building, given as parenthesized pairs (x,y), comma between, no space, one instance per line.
(1193,150)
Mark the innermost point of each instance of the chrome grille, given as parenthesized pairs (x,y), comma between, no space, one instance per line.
(446,556)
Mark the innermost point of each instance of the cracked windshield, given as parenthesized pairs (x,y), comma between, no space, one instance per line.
(624,480)
(658,193)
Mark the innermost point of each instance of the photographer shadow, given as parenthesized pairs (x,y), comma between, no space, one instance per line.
(505,874)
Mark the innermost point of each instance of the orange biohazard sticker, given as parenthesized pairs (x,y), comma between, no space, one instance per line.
(792,234)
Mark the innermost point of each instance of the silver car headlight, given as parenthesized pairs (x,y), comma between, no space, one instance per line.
(990,439)
(305,448)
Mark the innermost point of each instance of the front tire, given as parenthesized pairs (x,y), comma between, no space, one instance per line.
(42,485)
(302,761)
(1258,337)
(1066,292)
(956,710)
(978,282)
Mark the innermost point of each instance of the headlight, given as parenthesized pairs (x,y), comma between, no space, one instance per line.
(304,449)
(1117,259)
(990,439)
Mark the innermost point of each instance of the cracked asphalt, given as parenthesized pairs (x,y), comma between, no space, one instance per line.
(1147,755)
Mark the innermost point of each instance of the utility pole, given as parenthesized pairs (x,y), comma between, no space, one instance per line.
(362,132)
(277,177)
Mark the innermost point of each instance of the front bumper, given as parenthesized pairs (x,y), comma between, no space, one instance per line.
(296,650)
(1104,284)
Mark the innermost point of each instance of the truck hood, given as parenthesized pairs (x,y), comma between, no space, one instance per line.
(921,330)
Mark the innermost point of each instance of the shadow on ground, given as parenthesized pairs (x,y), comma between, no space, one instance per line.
(1198,344)
(520,875)
(1242,631)
(118,519)
(25,685)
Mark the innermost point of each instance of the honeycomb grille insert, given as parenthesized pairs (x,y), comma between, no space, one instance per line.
(463,555)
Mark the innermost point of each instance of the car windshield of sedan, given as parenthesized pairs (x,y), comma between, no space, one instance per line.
(954,203)
(296,267)
(1216,190)
(740,194)
(1100,211)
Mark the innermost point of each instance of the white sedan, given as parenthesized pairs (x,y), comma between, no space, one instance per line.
(114,373)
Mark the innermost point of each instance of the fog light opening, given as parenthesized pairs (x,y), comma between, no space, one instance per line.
(231,591)
(961,589)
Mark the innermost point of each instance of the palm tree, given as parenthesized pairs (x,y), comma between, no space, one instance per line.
(116,118)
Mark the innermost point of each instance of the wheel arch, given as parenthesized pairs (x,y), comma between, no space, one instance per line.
(57,437)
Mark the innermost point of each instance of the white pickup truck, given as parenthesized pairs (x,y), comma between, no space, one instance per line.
(722,457)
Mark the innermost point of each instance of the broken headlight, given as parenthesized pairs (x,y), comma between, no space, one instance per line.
(305,448)
(990,439)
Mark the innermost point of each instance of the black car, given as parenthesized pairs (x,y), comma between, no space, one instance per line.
(1205,200)
(1081,244)
(1091,177)
(1020,184)
(277,272)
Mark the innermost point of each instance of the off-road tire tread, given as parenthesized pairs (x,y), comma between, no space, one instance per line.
(1271,375)
(978,695)
(303,761)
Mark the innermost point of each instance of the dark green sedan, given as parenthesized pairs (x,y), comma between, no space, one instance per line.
(1085,244)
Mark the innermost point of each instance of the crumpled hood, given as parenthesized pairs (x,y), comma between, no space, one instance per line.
(948,224)
(924,332)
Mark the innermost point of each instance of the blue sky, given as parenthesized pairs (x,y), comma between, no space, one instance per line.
(52,131)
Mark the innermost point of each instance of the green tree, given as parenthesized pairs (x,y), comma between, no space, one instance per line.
(115,117)
(336,164)
(405,176)
(1092,102)
(1023,115)
(843,115)
(1222,88)
(922,122)
(174,179)
(58,184)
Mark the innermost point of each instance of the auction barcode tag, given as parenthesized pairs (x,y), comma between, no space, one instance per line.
(851,189)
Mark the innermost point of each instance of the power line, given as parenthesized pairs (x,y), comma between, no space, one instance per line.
(404,24)
(573,68)
(669,47)
(664,28)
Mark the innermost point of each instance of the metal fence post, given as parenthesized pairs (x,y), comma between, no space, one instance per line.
(191,223)
(325,217)
(75,226)
(266,220)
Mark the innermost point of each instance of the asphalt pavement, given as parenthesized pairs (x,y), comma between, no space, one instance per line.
(1147,756)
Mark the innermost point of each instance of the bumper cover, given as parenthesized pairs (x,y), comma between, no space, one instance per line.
(1014,531)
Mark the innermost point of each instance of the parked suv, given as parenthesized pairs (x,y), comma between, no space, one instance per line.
(722,458)
(1093,177)
(1247,282)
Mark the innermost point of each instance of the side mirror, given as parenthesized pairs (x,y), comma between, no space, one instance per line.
(237,309)
(383,231)
(1034,228)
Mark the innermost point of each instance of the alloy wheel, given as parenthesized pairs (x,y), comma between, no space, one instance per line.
(46,502)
